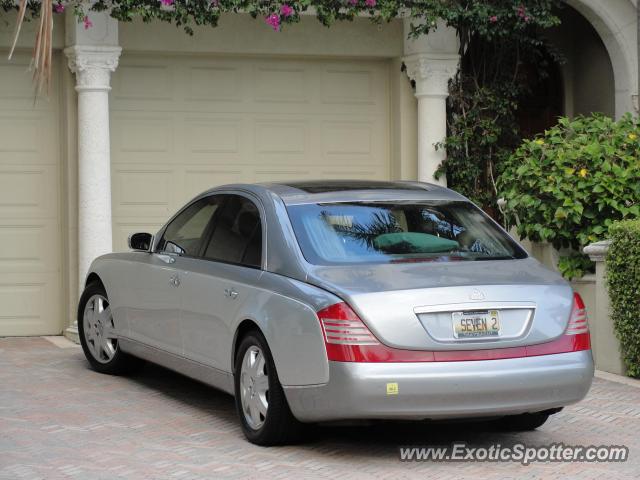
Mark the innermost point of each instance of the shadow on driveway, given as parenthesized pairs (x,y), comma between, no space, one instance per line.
(211,401)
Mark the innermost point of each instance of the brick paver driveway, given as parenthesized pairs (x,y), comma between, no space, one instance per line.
(58,419)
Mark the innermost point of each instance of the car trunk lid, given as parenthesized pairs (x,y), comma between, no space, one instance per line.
(437,306)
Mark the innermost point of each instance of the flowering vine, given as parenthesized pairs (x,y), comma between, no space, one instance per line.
(277,14)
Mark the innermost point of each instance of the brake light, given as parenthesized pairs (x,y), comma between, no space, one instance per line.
(578,319)
(346,337)
(341,326)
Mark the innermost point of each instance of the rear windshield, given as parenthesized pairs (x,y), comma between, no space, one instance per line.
(399,232)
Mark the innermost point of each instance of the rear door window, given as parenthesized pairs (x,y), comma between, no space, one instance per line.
(237,233)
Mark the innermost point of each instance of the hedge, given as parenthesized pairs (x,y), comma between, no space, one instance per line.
(623,279)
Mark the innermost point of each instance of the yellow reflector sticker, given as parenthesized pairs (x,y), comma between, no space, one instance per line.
(392,389)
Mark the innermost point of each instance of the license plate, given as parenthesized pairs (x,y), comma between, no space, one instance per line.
(476,324)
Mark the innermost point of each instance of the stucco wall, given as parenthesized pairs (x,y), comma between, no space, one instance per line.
(241,34)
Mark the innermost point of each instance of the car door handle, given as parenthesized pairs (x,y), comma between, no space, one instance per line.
(231,293)
(174,280)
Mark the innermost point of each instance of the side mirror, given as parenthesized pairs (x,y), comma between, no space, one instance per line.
(140,241)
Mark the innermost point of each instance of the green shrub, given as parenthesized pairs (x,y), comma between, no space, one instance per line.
(623,279)
(569,185)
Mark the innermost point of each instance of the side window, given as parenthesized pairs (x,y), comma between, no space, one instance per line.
(237,236)
(184,234)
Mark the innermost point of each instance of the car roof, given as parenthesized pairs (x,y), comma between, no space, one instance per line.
(324,191)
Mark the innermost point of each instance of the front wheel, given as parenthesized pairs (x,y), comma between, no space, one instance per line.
(260,401)
(97,333)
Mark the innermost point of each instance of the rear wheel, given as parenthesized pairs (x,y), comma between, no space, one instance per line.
(523,422)
(260,401)
(97,332)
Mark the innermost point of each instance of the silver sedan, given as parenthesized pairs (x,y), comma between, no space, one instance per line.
(342,300)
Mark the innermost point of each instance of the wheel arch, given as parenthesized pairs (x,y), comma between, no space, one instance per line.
(94,277)
(245,326)
(292,332)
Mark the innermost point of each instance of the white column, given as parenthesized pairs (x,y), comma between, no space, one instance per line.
(93,66)
(431,73)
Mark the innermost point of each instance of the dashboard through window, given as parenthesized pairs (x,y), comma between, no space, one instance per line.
(381,232)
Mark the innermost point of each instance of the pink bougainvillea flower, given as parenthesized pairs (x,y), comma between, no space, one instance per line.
(274,21)
(87,22)
(493,18)
(286,10)
(370,3)
(167,3)
(353,2)
(58,8)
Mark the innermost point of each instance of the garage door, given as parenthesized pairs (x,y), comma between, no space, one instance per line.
(30,284)
(183,124)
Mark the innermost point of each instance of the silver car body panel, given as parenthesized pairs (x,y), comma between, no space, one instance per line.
(192,326)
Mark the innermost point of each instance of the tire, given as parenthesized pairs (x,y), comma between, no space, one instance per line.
(522,423)
(97,333)
(275,425)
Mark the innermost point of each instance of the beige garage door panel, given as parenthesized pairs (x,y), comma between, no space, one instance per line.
(29,304)
(183,124)
(30,279)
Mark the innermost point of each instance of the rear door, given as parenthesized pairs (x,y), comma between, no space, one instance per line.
(216,286)
(154,319)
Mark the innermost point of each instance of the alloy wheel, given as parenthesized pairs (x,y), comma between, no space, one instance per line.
(254,387)
(99,329)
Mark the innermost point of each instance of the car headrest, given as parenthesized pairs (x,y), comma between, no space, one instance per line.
(247,223)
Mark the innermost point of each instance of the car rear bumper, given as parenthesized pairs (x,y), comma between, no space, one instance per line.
(440,390)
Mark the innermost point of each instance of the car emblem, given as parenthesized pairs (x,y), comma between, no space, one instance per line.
(476,295)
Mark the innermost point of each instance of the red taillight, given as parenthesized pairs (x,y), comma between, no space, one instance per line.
(346,337)
(341,326)
(578,319)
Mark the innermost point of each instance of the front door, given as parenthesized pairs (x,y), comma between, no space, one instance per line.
(155,319)
(153,311)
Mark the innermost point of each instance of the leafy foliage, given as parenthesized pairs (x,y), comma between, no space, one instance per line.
(568,186)
(575,265)
(623,278)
